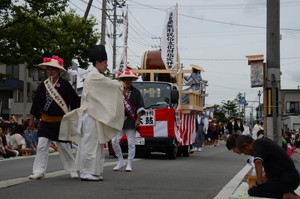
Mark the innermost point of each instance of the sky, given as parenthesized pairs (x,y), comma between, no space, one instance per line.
(215,34)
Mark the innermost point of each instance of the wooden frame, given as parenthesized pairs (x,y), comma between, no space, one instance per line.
(195,97)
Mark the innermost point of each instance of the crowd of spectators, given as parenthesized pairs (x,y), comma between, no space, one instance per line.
(16,136)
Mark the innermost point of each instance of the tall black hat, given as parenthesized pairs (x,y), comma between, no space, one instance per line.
(97,53)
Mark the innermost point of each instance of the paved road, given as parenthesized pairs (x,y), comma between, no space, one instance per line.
(201,176)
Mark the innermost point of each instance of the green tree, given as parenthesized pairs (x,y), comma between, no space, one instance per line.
(37,29)
(238,98)
(3,77)
(220,113)
(230,108)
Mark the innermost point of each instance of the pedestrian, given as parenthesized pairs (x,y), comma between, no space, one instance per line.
(215,132)
(208,133)
(236,126)
(246,129)
(134,108)
(52,100)
(229,126)
(98,120)
(282,178)
(241,126)
(200,119)
(223,131)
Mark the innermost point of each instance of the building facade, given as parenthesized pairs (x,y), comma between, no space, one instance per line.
(290,99)
(13,100)
(22,79)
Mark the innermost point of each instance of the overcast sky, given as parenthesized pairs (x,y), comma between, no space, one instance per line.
(216,35)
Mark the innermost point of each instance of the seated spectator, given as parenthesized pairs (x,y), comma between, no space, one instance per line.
(288,137)
(297,140)
(17,139)
(290,150)
(282,175)
(260,134)
(31,138)
(230,143)
(9,151)
(2,150)
(30,141)
(35,130)
(52,147)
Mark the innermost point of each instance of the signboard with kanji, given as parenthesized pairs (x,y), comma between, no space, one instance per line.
(148,119)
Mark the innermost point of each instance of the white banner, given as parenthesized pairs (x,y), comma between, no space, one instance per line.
(169,39)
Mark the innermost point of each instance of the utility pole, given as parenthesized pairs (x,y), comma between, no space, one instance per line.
(244,107)
(274,126)
(103,22)
(126,38)
(114,34)
(25,93)
(259,105)
(88,9)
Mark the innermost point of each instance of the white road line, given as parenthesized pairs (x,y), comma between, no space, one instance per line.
(15,181)
(231,186)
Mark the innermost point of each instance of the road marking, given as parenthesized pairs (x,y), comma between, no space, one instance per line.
(231,186)
(15,181)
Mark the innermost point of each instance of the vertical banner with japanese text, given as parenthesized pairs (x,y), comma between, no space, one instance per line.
(169,39)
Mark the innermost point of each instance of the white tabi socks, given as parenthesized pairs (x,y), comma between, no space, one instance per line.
(120,164)
(128,167)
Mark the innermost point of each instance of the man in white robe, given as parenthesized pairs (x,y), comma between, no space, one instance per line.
(99,118)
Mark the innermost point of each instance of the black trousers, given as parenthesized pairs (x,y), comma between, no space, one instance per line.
(7,154)
(277,186)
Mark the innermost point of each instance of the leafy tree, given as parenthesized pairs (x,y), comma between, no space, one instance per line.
(37,29)
(238,97)
(47,8)
(3,77)
(230,107)
(220,113)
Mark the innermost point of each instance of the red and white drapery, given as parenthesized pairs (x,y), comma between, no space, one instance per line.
(165,126)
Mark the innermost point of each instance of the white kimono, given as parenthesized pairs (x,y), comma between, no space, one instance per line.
(99,119)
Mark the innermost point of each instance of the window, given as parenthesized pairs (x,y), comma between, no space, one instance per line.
(41,74)
(292,107)
(13,70)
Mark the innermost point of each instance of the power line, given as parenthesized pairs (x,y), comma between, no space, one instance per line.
(133,52)
(137,42)
(76,6)
(231,6)
(92,5)
(150,34)
(231,88)
(230,59)
(137,29)
(217,21)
